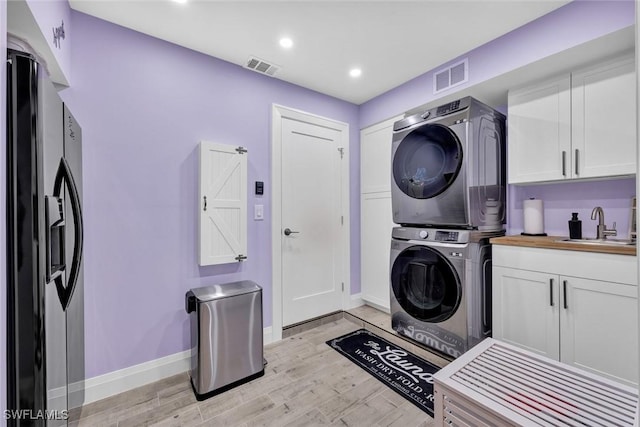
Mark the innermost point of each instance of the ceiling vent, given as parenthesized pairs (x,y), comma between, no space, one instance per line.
(261,66)
(451,76)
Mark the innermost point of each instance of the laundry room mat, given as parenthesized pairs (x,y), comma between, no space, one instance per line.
(405,373)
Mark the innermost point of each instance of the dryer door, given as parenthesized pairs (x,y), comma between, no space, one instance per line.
(425,284)
(427,161)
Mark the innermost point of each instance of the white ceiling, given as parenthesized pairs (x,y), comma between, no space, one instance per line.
(391,41)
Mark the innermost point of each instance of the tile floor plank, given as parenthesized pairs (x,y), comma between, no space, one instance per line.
(366,413)
(188,418)
(406,415)
(92,421)
(120,402)
(290,391)
(181,389)
(161,413)
(219,404)
(243,413)
(311,418)
(343,403)
(344,377)
(395,398)
(295,407)
(312,364)
(262,385)
(110,416)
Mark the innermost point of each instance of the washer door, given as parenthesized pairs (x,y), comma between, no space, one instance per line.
(427,161)
(425,284)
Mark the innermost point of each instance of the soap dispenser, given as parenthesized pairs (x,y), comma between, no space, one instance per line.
(575,227)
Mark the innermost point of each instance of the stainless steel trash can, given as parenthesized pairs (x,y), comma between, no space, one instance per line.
(226,336)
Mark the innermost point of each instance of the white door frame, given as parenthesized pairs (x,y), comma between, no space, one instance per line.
(278,113)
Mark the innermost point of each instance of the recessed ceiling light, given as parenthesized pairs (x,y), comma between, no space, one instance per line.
(180,1)
(286,42)
(355,72)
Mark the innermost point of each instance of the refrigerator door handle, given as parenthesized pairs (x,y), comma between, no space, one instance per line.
(64,176)
(54,235)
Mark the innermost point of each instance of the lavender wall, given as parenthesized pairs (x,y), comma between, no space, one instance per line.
(3,219)
(144,104)
(573,24)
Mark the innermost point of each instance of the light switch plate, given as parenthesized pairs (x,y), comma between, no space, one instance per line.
(258,212)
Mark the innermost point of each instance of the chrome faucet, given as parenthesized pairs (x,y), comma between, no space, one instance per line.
(601,230)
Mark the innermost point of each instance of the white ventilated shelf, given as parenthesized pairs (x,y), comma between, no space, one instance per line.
(498,384)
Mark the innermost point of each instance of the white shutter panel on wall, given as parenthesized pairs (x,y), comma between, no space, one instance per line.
(222,203)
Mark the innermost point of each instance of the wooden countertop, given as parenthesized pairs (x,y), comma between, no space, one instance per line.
(551,242)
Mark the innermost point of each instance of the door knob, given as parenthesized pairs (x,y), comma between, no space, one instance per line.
(288,232)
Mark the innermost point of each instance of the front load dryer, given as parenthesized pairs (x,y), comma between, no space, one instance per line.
(449,167)
(441,287)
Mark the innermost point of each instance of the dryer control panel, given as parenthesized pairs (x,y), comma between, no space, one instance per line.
(446,236)
(431,234)
(448,108)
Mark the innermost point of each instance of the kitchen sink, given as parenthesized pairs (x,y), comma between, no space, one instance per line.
(594,241)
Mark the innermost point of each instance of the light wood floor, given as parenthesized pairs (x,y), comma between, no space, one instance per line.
(306,383)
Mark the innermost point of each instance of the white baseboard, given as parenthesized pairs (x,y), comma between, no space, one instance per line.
(356,301)
(378,306)
(267,336)
(377,303)
(116,382)
(106,385)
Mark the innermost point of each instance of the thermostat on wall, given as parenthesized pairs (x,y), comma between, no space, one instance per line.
(259,188)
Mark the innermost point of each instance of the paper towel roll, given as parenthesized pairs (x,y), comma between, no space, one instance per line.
(533,216)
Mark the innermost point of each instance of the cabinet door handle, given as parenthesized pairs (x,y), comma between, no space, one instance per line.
(564,163)
(577,160)
(551,292)
(564,292)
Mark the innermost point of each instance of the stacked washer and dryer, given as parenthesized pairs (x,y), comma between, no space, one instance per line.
(448,190)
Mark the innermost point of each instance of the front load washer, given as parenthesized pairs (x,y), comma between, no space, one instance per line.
(441,287)
(449,167)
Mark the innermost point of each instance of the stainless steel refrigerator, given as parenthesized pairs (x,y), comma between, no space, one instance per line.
(45,295)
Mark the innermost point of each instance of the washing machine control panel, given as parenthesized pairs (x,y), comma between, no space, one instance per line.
(446,236)
(431,234)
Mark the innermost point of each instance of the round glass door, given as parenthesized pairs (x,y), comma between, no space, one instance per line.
(427,161)
(425,284)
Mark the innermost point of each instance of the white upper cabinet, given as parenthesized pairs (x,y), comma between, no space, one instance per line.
(375,157)
(222,204)
(539,131)
(579,125)
(604,120)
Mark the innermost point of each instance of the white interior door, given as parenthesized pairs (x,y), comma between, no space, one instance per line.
(311,194)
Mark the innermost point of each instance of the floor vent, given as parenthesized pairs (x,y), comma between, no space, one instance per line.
(451,76)
(261,66)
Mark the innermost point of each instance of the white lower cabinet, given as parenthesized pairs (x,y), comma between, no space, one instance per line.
(523,313)
(590,323)
(599,327)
